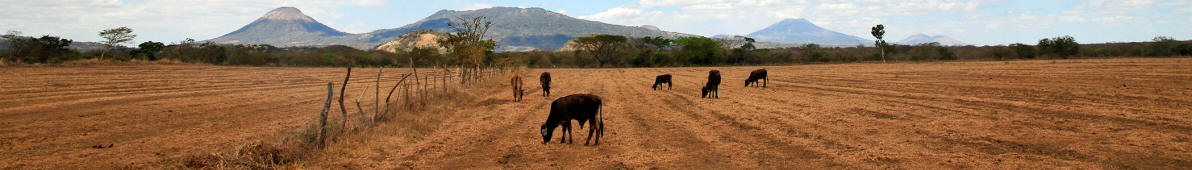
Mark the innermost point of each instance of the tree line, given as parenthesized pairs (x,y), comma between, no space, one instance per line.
(467,48)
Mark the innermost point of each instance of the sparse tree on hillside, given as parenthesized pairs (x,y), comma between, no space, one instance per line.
(114,37)
(748,44)
(878,31)
(601,46)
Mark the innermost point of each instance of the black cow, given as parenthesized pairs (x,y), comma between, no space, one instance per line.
(665,78)
(581,108)
(545,81)
(759,74)
(712,89)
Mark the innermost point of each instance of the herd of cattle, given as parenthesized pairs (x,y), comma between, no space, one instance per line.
(585,108)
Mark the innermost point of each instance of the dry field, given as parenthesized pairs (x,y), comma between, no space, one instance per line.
(1099,113)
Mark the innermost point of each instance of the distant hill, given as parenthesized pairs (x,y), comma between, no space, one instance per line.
(514,29)
(924,38)
(517,29)
(415,39)
(287,27)
(78,46)
(801,31)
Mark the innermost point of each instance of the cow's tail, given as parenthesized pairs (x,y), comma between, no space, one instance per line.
(601,114)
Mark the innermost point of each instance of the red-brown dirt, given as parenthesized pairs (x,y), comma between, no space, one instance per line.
(1092,113)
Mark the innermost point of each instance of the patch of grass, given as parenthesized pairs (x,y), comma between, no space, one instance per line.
(285,149)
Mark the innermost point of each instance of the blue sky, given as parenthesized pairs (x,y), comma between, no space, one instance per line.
(981,22)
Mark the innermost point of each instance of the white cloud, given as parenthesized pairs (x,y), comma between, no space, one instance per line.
(475,6)
(711,17)
(153,19)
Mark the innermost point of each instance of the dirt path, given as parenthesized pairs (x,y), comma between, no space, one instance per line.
(1102,113)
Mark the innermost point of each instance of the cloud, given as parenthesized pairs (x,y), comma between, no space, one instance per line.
(475,6)
(694,16)
(153,19)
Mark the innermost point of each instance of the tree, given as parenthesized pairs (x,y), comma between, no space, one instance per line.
(14,44)
(114,37)
(1062,46)
(467,43)
(748,44)
(701,50)
(1162,46)
(1023,51)
(659,42)
(601,46)
(878,31)
(149,49)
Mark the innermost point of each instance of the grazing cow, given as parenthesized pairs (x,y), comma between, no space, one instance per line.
(759,74)
(665,78)
(712,89)
(581,108)
(516,82)
(545,81)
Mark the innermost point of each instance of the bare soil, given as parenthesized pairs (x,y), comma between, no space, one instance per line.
(1092,113)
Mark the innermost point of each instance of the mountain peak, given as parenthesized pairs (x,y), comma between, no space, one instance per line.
(802,31)
(287,14)
(921,38)
(795,20)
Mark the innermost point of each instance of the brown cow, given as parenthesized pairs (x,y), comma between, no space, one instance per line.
(545,81)
(712,88)
(755,76)
(516,82)
(661,80)
(580,107)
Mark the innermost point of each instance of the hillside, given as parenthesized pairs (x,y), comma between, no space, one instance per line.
(288,27)
(924,38)
(801,31)
(515,29)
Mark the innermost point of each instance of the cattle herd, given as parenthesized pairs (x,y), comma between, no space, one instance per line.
(584,108)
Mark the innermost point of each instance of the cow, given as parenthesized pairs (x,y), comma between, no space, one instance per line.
(712,88)
(544,79)
(579,107)
(756,75)
(516,82)
(665,78)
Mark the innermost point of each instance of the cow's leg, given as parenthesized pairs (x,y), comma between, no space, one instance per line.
(591,131)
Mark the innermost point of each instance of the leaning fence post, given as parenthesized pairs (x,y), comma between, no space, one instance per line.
(323,116)
(344,126)
(387,103)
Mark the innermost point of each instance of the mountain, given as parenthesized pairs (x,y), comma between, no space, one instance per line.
(514,29)
(801,31)
(285,27)
(520,29)
(924,38)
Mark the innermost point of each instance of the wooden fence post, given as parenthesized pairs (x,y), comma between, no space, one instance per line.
(323,116)
(344,126)
(387,103)
(377,94)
